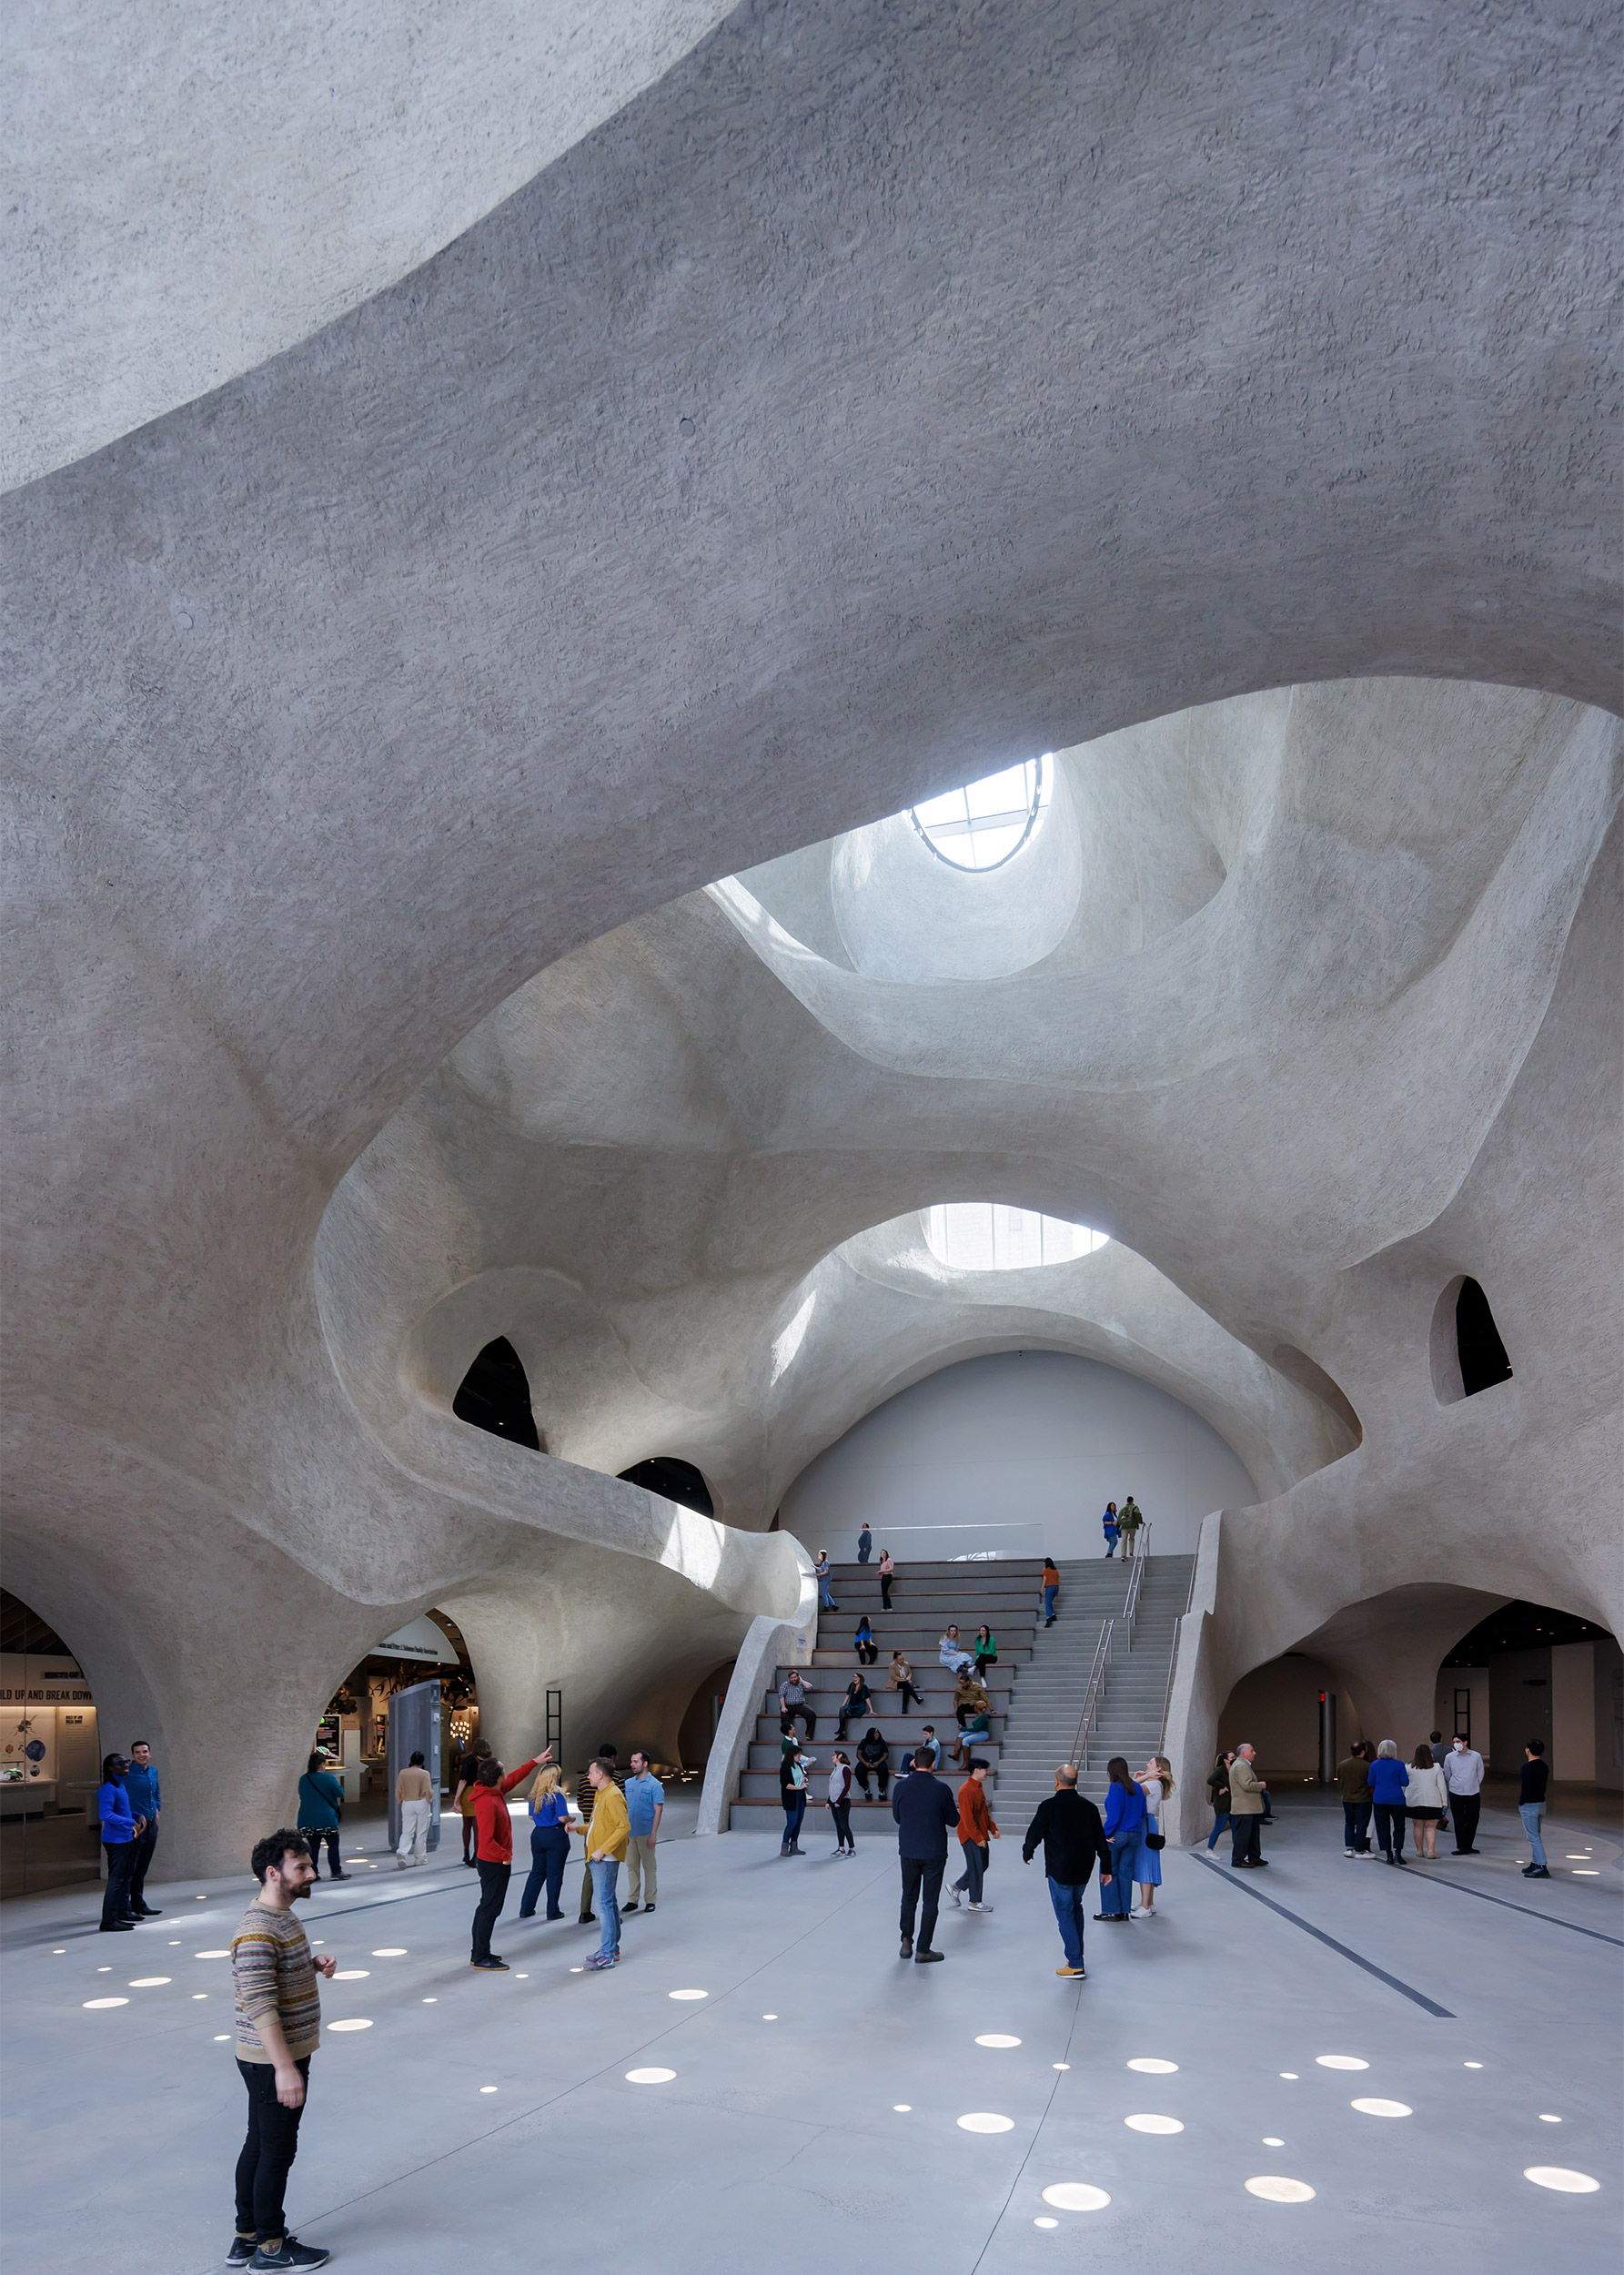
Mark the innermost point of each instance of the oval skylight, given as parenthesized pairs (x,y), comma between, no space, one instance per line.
(986,824)
(985,1235)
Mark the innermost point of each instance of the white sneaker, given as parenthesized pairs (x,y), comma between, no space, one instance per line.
(956,1904)
(980,1907)
(1144,1911)
(1347,1852)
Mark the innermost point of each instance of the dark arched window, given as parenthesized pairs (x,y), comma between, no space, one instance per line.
(496,1396)
(673,1480)
(1483,1360)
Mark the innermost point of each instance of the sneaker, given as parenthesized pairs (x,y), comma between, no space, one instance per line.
(491,1967)
(907,1950)
(1072,1970)
(1347,1852)
(648,1907)
(293,2254)
(598,1963)
(243,2249)
(980,1907)
(400,1863)
(955,1894)
(626,1910)
(1540,1871)
(927,1958)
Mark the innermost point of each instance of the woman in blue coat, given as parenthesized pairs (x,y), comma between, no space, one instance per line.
(1388,1779)
(1126,1814)
(119,1829)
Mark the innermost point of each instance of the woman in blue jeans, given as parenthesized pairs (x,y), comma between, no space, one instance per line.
(1530,1807)
(550,1843)
(1125,1815)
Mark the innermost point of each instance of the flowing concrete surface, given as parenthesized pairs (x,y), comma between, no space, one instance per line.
(787,2128)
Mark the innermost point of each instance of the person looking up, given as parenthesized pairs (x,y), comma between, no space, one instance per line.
(864,1644)
(1051,1590)
(874,1760)
(856,1704)
(902,1679)
(549,1843)
(977,1829)
(645,1805)
(463,1799)
(1068,1827)
(1246,1811)
(321,1807)
(606,1839)
(923,1808)
(141,1784)
(1530,1806)
(414,1796)
(494,1853)
(1389,1781)
(278,2030)
(1154,1780)
(1463,1775)
(120,1832)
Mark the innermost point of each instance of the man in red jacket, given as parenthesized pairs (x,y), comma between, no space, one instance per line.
(494,1853)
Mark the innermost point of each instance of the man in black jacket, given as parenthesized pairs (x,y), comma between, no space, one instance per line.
(924,1807)
(1068,1824)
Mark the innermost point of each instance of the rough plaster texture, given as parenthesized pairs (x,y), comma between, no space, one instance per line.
(876,398)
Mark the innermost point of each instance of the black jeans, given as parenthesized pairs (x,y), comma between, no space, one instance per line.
(983,1660)
(550,1852)
(144,1844)
(863,1714)
(867,1653)
(882,1770)
(885,1579)
(1356,1826)
(493,1895)
(315,1835)
(921,1879)
(908,1696)
(115,1896)
(267,2153)
(786,1720)
(1246,1837)
(1465,1808)
(1389,1827)
(841,1811)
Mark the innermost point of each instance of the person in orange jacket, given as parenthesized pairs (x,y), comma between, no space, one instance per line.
(494,1853)
(976,1829)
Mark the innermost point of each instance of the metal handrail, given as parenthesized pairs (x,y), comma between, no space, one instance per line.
(1130,1608)
(1096,1675)
(1178,1629)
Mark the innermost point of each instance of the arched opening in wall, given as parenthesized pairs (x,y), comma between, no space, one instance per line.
(703,1713)
(1467,1353)
(495,1395)
(352,1733)
(50,1758)
(672,1480)
(1528,1671)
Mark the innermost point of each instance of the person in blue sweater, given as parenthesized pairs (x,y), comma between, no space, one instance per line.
(1125,1815)
(924,1807)
(141,1785)
(120,1828)
(1389,1779)
(1109,1521)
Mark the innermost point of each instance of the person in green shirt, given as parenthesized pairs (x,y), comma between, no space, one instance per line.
(1130,1517)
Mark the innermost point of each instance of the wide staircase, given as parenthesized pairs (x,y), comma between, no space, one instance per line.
(1003,1592)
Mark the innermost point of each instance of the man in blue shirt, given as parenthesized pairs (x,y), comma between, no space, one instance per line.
(645,1804)
(924,1807)
(865,1545)
(141,1784)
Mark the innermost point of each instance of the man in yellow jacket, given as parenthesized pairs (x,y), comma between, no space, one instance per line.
(607,1836)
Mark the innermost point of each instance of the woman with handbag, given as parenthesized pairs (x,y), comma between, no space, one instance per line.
(1156,1783)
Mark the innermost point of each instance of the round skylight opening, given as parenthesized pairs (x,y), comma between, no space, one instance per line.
(986,823)
(985,1235)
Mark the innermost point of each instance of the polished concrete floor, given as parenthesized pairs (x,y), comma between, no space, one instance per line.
(812,2113)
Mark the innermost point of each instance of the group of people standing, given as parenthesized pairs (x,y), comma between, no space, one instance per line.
(127,1806)
(1122,1525)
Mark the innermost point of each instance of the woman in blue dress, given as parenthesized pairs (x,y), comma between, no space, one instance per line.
(1156,1783)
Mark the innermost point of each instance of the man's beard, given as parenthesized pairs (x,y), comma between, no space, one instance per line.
(299,1893)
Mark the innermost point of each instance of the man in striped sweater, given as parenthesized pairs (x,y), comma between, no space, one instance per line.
(278,2027)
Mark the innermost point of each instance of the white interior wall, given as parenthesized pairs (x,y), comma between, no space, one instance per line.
(1017,1452)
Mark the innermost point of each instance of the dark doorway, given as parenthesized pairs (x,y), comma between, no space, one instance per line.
(1483,1360)
(496,1396)
(673,1480)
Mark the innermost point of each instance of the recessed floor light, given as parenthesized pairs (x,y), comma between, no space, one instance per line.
(1274,2189)
(1553,2176)
(487,2089)
(688,1993)
(222,2038)
(578,1970)
(985,2121)
(149,1982)
(1151,2124)
(1273,2141)
(769,2017)
(106,2002)
(1060,2064)
(1582,1872)
(1041,2222)
(351,1974)
(1578,1855)
(196,1994)
(1471,2065)
(903,2108)
(1291,2074)
(391,1951)
(211,1955)
(1150,2066)
(59,1951)
(175,1942)
(521,1978)
(650,2076)
(996,2038)
(1546,2118)
(353,2024)
(1075,2196)
(431,2002)
(103,1970)
(1340,2061)
(1371,2105)
(202,1900)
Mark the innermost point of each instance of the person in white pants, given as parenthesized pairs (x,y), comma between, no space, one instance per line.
(415,1795)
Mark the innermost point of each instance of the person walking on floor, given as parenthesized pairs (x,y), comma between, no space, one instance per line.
(839,1805)
(985,1648)
(550,1843)
(141,1785)
(1530,1806)
(923,1809)
(1246,1812)
(1128,1522)
(493,1853)
(865,1545)
(1154,1780)
(586,1801)
(864,1644)
(120,1832)
(902,1679)
(1109,1522)
(1463,1775)
(320,1807)
(463,1799)
(820,1569)
(1217,1790)
(645,1805)
(277,2029)
(791,1792)
(1389,1781)
(1068,1828)
(1426,1801)
(1124,1827)
(976,1830)
(606,1837)
(414,1795)
(792,1700)
(857,1703)
(1353,1783)
(874,1760)
(1051,1590)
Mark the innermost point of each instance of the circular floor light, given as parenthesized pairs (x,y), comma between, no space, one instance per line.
(391,1951)
(1041,2223)
(222,2038)
(149,1982)
(431,2002)
(1075,2196)
(1371,2105)
(985,2121)
(903,2108)
(1340,2062)
(354,2023)
(211,1955)
(351,1974)
(769,2017)
(996,2038)
(1144,2123)
(106,2002)
(1273,2141)
(1546,2118)
(487,2089)
(1290,2074)
(1471,2065)
(650,2076)
(197,1995)
(1275,2188)
(1060,2064)
(59,1951)
(1554,2175)
(1149,2066)
(688,1993)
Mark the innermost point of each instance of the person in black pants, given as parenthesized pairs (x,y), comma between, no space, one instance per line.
(146,1800)
(120,1834)
(874,1760)
(855,1703)
(495,1852)
(924,1806)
